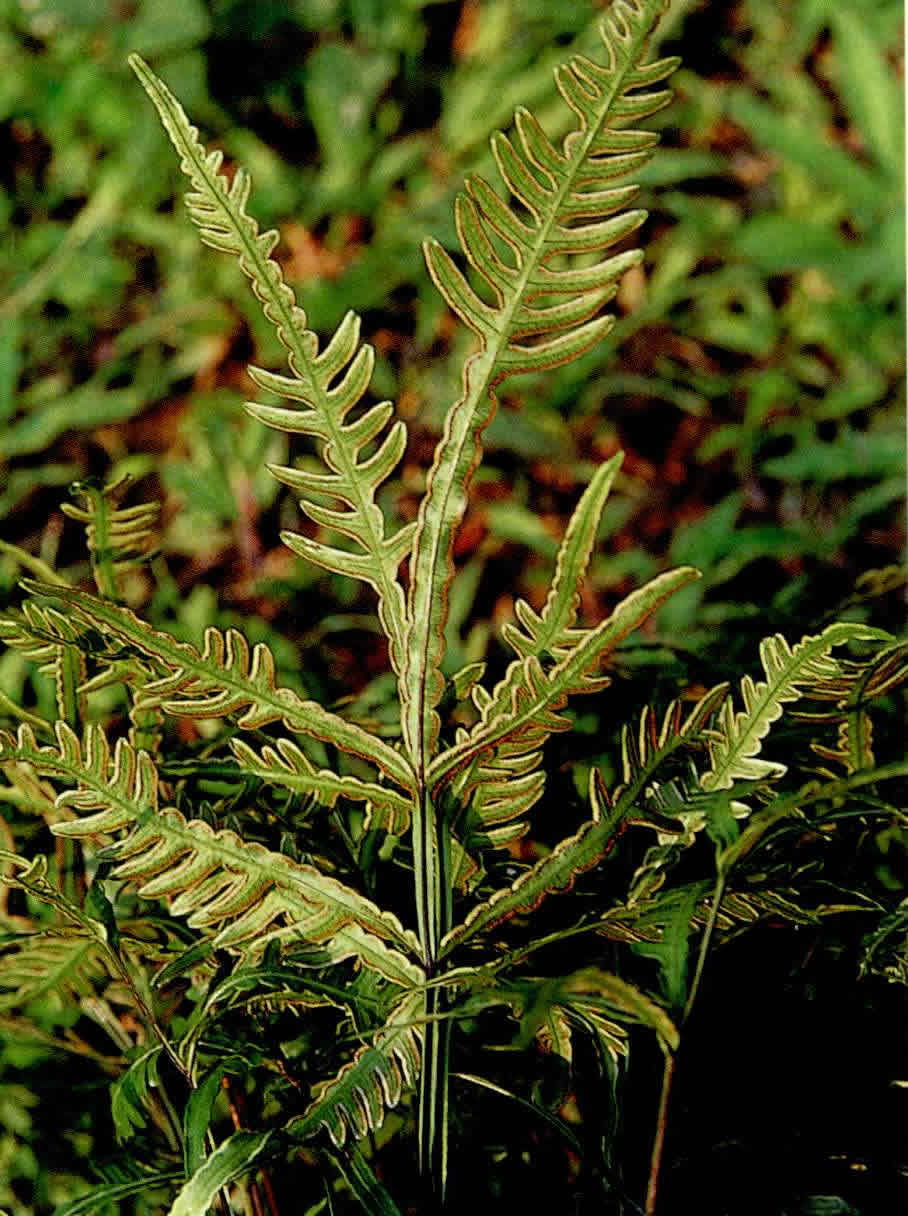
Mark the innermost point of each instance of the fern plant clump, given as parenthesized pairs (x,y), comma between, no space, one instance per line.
(256,941)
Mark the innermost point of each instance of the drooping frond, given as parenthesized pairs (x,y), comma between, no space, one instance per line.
(242,893)
(596,995)
(325,386)
(355,1101)
(544,313)
(119,538)
(226,677)
(551,632)
(737,737)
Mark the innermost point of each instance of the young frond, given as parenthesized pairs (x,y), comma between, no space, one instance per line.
(552,631)
(119,538)
(325,386)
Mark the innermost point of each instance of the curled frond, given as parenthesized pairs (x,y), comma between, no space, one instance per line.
(325,385)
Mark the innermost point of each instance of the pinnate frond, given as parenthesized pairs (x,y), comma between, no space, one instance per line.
(286,766)
(225,678)
(242,893)
(544,313)
(325,385)
(552,632)
(63,966)
(48,638)
(524,708)
(354,1102)
(612,814)
(737,737)
(119,538)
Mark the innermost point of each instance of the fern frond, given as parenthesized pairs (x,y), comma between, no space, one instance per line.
(557,871)
(354,1103)
(325,385)
(119,538)
(62,966)
(551,632)
(48,637)
(241,892)
(523,709)
(286,766)
(226,677)
(736,739)
(567,206)
(594,840)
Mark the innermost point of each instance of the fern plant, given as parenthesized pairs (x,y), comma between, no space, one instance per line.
(199,918)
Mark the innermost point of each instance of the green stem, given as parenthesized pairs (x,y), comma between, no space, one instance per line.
(432,876)
(671,1058)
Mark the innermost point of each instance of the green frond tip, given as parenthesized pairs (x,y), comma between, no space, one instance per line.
(551,631)
(119,538)
(326,386)
(737,737)
(531,303)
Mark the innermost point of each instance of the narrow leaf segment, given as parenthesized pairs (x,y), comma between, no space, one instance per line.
(326,386)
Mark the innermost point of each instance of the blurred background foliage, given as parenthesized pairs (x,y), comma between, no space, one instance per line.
(754,379)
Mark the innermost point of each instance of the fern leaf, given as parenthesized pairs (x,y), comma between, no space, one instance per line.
(736,739)
(324,385)
(241,892)
(551,630)
(225,678)
(46,637)
(557,871)
(354,1103)
(233,1159)
(285,765)
(557,190)
(523,709)
(595,839)
(119,538)
(62,966)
